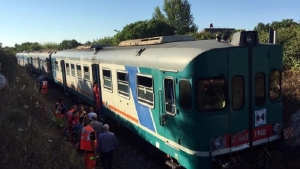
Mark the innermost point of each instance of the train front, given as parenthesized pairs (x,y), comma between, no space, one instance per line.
(238,105)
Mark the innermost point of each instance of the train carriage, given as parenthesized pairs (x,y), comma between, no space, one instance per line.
(204,103)
(72,69)
(196,100)
(22,59)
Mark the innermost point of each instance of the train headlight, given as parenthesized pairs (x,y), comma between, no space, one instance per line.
(218,143)
(277,128)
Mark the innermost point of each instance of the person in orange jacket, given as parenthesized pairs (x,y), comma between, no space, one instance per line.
(44,89)
(88,145)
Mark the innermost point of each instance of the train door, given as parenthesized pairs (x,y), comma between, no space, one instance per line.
(238,91)
(96,77)
(64,78)
(247,85)
(167,108)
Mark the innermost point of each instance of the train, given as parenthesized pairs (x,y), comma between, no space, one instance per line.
(204,103)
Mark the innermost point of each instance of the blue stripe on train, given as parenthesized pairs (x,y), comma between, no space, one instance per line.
(142,111)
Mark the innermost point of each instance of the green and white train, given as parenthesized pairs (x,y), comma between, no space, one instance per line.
(204,103)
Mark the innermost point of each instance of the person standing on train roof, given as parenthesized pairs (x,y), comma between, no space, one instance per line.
(96,96)
(91,114)
(88,145)
(107,142)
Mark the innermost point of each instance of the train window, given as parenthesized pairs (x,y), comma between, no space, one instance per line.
(72,70)
(275,84)
(169,96)
(210,94)
(259,89)
(68,68)
(86,73)
(78,69)
(123,84)
(107,79)
(185,98)
(145,90)
(56,66)
(238,95)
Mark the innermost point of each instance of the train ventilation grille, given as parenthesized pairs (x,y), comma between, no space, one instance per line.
(156,40)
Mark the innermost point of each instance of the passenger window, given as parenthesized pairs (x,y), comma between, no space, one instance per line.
(72,70)
(123,84)
(107,79)
(68,68)
(78,68)
(210,94)
(86,73)
(260,89)
(185,97)
(275,84)
(238,95)
(56,66)
(145,90)
(169,96)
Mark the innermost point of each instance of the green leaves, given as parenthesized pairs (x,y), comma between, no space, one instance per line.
(178,14)
(288,35)
(144,29)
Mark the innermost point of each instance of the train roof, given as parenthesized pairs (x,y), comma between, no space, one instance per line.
(43,54)
(168,56)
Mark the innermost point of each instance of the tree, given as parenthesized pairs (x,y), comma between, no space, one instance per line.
(28,46)
(144,29)
(69,44)
(288,36)
(106,40)
(177,14)
(50,45)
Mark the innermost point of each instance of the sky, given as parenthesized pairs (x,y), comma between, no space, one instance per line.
(53,21)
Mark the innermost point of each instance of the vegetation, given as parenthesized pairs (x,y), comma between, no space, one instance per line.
(178,14)
(144,29)
(27,140)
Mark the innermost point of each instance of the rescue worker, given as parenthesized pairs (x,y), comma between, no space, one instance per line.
(96,96)
(44,87)
(70,120)
(88,145)
(40,80)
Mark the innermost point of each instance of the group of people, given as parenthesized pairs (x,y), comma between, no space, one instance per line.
(88,135)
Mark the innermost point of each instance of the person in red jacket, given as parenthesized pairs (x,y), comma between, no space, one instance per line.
(88,145)
(96,96)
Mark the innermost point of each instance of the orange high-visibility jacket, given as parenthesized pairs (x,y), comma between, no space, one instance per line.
(45,87)
(85,142)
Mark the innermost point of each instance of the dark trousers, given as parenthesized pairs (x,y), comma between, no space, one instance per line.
(106,159)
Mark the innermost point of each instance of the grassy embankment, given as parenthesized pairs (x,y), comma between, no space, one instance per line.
(26,139)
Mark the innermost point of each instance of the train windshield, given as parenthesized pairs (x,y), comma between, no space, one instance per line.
(210,94)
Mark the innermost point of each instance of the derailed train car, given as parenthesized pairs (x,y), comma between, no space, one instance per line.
(204,103)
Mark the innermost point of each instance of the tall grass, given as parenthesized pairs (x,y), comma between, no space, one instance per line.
(26,138)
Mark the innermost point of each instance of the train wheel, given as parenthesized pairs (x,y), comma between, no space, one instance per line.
(262,160)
